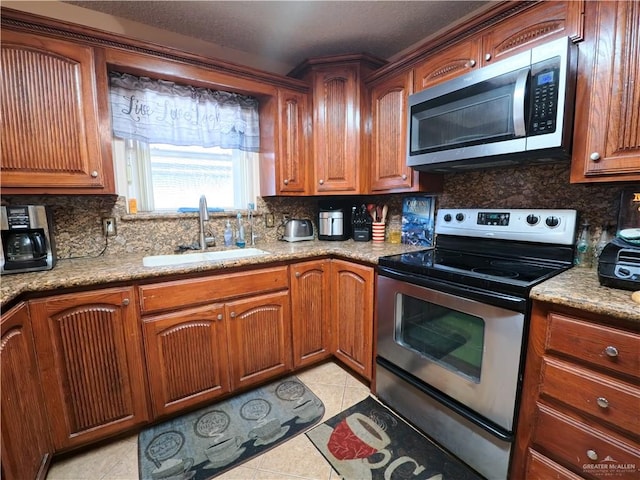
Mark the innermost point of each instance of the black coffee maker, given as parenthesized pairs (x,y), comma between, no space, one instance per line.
(27,243)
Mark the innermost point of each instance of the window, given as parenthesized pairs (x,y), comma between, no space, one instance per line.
(174,143)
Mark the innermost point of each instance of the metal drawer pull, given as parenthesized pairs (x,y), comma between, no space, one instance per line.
(125,302)
(232,314)
(611,351)
(219,316)
(602,402)
(592,455)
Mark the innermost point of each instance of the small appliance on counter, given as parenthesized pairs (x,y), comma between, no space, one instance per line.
(619,261)
(297,230)
(27,241)
(333,222)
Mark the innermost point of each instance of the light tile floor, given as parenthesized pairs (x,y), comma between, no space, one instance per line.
(294,459)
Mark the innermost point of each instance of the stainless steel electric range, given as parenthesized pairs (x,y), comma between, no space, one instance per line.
(453,321)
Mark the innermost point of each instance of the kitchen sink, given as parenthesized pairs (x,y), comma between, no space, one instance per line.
(177,259)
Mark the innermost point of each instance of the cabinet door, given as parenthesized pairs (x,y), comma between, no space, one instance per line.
(51,134)
(259,332)
(26,444)
(336,129)
(389,171)
(90,357)
(352,314)
(449,63)
(533,26)
(606,143)
(187,359)
(311,325)
(293,148)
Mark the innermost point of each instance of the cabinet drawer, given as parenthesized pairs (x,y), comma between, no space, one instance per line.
(599,395)
(572,443)
(598,345)
(197,291)
(539,466)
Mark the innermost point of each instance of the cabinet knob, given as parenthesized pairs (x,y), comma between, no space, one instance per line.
(592,455)
(286,181)
(219,316)
(298,274)
(404,176)
(595,156)
(611,351)
(487,56)
(471,63)
(232,314)
(94,174)
(602,402)
(321,182)
(125,302)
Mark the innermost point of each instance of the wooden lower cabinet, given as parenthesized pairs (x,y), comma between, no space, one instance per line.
(259,333)
(310,312)
(187,358)
(580,410)
(89,348)
(26,444)
(352,315)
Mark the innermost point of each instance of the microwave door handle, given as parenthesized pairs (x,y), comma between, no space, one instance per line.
(519,91)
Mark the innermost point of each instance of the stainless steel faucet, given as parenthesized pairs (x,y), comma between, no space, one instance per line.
(252,235)
(204,216)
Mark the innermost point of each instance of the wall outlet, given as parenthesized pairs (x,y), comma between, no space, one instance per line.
(109,226)
(269,220)
(285,217)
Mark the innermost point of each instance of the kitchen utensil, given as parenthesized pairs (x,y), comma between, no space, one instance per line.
(385,209)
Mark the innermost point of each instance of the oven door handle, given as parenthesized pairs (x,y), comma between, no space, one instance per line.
(516,304)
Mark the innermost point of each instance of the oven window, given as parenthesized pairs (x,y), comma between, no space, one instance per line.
(448,337)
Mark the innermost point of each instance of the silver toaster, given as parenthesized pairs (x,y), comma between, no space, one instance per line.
(296,230)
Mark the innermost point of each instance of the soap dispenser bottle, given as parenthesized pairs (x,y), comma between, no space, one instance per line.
(240,238)
(228,235)
(584,257)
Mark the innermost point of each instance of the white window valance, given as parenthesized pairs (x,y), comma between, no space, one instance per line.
(158,111)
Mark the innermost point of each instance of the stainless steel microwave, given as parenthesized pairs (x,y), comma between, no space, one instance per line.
(515,110)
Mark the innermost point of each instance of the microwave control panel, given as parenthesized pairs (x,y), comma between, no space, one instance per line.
(545,82)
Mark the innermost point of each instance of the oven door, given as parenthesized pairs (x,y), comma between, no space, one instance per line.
(467,350)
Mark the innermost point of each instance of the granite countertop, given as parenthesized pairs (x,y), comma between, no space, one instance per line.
(579,288)
(92,271)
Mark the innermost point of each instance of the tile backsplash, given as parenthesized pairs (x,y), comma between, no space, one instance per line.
(78,219)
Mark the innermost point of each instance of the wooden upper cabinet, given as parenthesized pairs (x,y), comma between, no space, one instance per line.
(89,348)
(389,172)
(294,139)
(336,130)
(449,63)
(340,109)
(26,444)
(519,31)
(606,143)
(533,26)
(52,95)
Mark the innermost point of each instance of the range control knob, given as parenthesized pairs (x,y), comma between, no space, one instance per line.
(552,221)
(447,217)
(459,217)
(532,219)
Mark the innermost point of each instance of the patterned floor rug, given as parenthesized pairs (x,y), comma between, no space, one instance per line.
(369,442)
(212,440)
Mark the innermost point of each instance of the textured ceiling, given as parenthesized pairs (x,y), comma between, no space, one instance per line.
(291,31)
